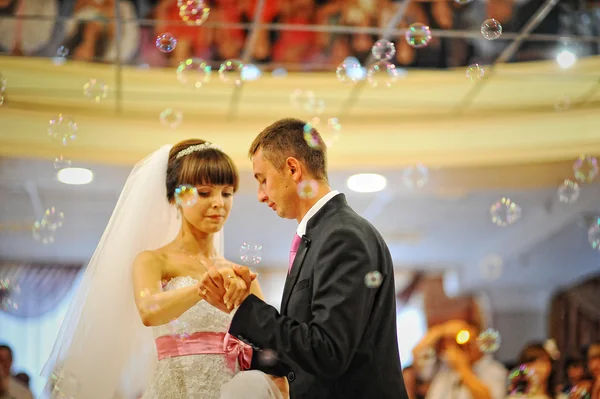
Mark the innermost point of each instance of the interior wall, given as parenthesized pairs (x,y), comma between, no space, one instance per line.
(517,328)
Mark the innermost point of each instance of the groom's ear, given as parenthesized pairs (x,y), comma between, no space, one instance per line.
(294,167)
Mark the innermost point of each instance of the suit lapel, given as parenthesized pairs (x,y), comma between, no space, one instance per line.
(290,281)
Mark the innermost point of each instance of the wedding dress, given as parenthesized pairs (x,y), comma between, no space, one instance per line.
(181,375)
(192,376)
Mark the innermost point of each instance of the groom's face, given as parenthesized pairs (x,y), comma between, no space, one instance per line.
(276,188)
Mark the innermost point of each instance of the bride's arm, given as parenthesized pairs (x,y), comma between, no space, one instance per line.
(154,306)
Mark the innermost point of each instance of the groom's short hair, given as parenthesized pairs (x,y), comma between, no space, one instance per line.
(286,138)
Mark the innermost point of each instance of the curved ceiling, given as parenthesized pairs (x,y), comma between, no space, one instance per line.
(438,118)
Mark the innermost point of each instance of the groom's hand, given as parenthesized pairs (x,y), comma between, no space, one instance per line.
(212,287)
(245,273)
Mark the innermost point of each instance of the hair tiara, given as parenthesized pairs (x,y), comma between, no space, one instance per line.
(198,147)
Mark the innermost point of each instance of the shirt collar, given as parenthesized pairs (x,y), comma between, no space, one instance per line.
(301,230)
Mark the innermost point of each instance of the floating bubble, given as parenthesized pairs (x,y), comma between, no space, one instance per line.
(61,56)
(60,162)
(279,73)
(193,12)
(505,212)
(250,72)
(382,73)
(373,279)
(66,386)
(521,381)
(594,234)
(186,195)
(308,189)
(1,99)
(171,118)
(62,52)
(95,89)
(563,103)
(332,132)
(3,83)
(166,42)
(474,72)
(488,341)
(579,392)
(231,72)
(250,253)
(314,106)
(383,50)
(585,168)
(311,137)
(62,129)
(491,267)
(349,72)
(179,329)
(300,97)
(53,218)
(267,357)
(568,192)
(418,35)
(415,176)
(491,29)
(193,72)
(42,232)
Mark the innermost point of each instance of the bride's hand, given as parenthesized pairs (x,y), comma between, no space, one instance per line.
(223,286)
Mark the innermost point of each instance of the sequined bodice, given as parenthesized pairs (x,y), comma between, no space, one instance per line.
(200,317)
(193,376)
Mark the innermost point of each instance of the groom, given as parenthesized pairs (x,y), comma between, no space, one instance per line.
(335,337)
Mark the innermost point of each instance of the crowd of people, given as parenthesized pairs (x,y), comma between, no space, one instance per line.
(466,371)
(12,386)
(86,30)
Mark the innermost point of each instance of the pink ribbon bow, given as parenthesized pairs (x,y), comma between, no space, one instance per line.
(237,351)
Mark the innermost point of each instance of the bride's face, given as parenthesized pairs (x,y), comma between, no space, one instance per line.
(211,209)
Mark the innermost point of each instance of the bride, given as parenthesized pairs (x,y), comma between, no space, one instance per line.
(167,338)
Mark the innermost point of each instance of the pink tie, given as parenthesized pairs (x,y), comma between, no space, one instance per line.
(293,250)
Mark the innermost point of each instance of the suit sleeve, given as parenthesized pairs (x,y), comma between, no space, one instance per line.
(341,307)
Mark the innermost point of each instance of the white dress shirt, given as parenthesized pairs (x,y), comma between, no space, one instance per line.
(301,230)
(447,385)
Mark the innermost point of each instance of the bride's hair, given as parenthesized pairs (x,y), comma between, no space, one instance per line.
(206,166)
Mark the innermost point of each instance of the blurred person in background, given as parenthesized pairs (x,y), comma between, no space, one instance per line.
(593,361)
(20,34)
(463,371)
(24,378)
(574,374)
(10,387)
(415,386)
(539,361)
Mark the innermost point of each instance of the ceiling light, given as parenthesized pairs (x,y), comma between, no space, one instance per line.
(566,59)
(75,176)
(366,183)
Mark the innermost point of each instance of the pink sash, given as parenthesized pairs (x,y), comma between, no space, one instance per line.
(206,343)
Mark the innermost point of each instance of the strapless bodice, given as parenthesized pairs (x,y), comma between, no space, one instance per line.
(200,317)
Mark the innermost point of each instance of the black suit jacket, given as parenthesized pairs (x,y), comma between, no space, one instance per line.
(335,337)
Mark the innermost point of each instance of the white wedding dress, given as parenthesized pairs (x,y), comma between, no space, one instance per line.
(203,376)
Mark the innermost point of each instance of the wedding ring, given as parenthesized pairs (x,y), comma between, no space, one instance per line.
(230,276)
(203,291)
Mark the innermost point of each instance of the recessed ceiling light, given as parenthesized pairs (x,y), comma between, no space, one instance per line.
(75,176)
(366,183)
(566,59)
